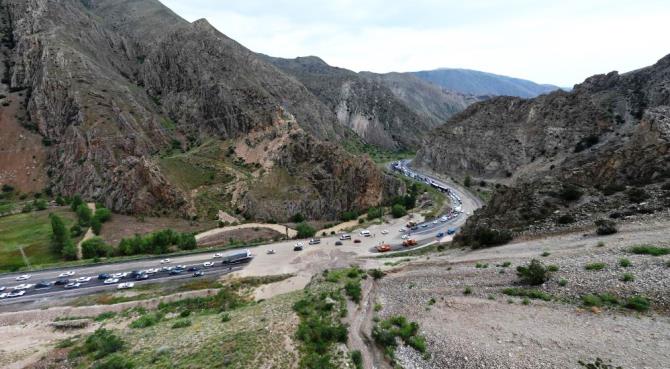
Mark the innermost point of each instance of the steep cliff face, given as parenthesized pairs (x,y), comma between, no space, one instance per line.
(612,131)
(115,85)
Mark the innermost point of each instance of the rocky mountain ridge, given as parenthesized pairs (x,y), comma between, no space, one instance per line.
(598,151)
(113,86)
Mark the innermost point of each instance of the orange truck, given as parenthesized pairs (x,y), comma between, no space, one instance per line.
(384,247)
(408,243)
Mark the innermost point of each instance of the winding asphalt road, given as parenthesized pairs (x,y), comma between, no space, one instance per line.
(425,235)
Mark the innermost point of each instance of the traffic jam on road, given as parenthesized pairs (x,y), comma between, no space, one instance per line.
(68,280)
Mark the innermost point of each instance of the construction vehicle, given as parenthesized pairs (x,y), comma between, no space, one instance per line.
(384,247)
(411,224)
(409,243)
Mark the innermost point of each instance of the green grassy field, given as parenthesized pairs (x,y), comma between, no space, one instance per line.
(32,231)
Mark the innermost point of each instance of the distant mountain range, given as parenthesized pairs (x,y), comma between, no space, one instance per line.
(481,83)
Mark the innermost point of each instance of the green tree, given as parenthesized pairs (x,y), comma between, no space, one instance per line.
(40,204)
(96,226)
(60,201)
(305,230)
(298,218)
(95,247)
(60,236)
(76,201)
(85,215)
(69,251)
(187,242)
(103,214)
(467,182)
(374,213)
(398,211)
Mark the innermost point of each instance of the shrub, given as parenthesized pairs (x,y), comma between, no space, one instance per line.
(605,227)
(552,268)
(637,195)
(69,251)
(534,273)
(570,193)
(386,332)
(598,364)
(146,320)
(182,323)
(595,266)
(102,343)
(357,359)
(592,300)
(298,218)
(565,219)
(624,263)
(349,215)
(586,142)
(545,254)
(484,237)
(95,247)
(650,250)
(627,277)
(185,313)
(467,182)
(353,290)
(398,211)
(115,361)
(40,204)
(376,273)
(225,317)
(528,293)
(96,226)
(104,316)
(467,291)
(102,214)
(7,188)
(638,303)
(305,230)
(563,282)
(75,230)
(374,213)
(27,208)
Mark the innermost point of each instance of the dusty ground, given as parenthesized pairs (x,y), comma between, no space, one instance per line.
(123,226)
(488,329)
(243,232)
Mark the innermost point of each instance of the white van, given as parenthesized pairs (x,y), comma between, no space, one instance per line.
(345,237)
(365,233)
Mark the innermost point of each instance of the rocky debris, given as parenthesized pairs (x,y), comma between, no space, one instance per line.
(612,131)
(71,324)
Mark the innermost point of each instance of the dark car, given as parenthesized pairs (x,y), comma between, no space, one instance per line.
(193,269)
(141,277)
(440,235)
(104,276)
(135,273)
(357,241)
(43,284)
(338,243)
(62,282)
(414,228)
(451,231)
(176,271)
(198,273)
(297,248)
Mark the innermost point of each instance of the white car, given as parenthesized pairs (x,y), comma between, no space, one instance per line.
(69,273)
(271,252)
(119,275)
(217,256)
(385,232)
(151,271)
(405,236)
(402,230)
(16,293)
(2,288)
(435,222)
(72,285)
(24,277)
(83,279)
(166,261)
(124,286)
(208,264)
(444,219)
(24,286)
(111,281)
(167,269)
(299,244)
(3,295)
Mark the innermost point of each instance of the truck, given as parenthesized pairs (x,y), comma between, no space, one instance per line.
(239,257)
(384,247)
(451,231)
(409,243)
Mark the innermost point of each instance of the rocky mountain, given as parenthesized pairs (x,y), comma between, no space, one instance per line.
(392,111)
(148,113)
(602,150)
(480,83)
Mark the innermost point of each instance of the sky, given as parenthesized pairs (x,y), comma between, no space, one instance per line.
(557,42)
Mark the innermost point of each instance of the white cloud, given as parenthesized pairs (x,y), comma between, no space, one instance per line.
(548,42)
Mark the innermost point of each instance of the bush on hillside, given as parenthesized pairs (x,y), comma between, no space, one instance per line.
(534,273)
(305,230)
(605,227)
(398,211)
(95,247)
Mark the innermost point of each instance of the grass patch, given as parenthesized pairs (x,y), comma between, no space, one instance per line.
(181,323)
(650,250)
(595,266)
(627,277)
(624,263)
(638,303)
(528,293)
(386,333)
(467,291)
(32,232)
(105,316)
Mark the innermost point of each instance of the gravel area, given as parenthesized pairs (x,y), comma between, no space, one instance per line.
(487,329)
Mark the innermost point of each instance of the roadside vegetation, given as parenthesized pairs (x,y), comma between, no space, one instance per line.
(387,333)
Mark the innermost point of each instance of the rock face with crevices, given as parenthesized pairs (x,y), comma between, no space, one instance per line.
(113,86)
(611,132)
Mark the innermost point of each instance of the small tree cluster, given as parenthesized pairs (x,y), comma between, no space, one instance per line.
(534,273)
(157,243)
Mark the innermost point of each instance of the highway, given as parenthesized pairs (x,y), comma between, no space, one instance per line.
(263,262)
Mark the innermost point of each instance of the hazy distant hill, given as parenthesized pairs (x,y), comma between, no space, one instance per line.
(480,83)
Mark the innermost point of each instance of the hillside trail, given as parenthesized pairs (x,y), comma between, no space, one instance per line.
(359,318)
(88,235)
(275,227)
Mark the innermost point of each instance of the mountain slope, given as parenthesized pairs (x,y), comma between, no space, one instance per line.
(480,83)
(128,96)
(611,132)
